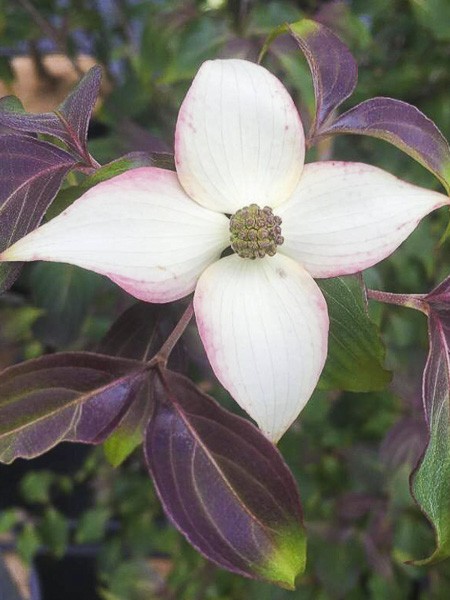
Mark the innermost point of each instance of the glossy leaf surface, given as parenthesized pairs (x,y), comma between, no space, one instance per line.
(431,479)
(31,174)
(355,350)
(69,122)
(224,485)
(73,396)
(404,126)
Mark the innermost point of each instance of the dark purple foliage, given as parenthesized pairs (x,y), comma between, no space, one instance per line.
(401,124)
(138,334)
(73,396)
(436,382)
(142,329)
(31,173)
(222,483)
(404,442)
(69,122)
(439,298)
(333,68)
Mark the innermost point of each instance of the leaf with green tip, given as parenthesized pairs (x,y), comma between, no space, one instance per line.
(355,350)
(73,396)
(334,70)
(224,485)
(138,334)
(430,482)
(402,125)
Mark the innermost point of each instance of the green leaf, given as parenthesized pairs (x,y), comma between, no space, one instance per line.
(6,73)
(8,519)
(434,15)
(35,486)
(133,160)
(123,441)
(92,525)
(64,293)
(28,543)
(355,350)
(12,104)
(138,334)
(54,531)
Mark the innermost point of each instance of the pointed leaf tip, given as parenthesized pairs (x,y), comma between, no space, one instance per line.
(68,396)
(333,69)
(402,125)
(69,123)
(224,485)
(32,172)
(288,560)
(355,351)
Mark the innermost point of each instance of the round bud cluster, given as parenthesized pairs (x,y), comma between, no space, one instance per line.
(255,232)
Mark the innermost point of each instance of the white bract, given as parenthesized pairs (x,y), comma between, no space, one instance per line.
(160,235)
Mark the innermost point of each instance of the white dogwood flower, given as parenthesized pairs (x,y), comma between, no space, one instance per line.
(239,152)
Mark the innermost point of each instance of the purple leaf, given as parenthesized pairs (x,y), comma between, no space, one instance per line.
(404,443)
(73,396)
(128,435)
(354,505)
(223,484)
(69,122)
(334,70)
(439,298)
(430,482)
(401,124)
(30,176)
(142,329)
(138,334)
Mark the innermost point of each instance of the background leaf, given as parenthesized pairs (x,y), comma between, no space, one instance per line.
(355,350)
(69,123)
(64,294)
(224,485)
(434,15)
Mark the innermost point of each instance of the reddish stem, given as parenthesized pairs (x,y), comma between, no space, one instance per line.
(415,301)
(164,352)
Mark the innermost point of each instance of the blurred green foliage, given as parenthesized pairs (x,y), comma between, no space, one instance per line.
(351,453)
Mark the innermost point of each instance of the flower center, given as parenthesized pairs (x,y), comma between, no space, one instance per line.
(255,232)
